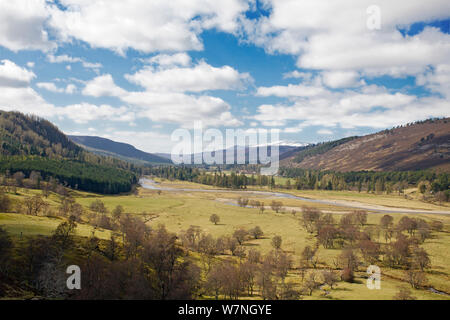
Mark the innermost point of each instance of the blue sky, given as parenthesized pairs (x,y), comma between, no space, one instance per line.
(134,71)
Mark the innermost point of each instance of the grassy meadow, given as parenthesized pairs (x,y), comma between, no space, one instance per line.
(178,210)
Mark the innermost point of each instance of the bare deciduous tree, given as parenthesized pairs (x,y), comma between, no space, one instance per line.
(117,212)
(386,221)
(214,218)
(309,217)
(327,235)
(370,251)
(242,202)
(98,206)
(407,224)
(63,235)
(330,278)
(415,278)
(311,282)
(360,217)
(33,205)
(309,256)
(420,259)
(276,205)
(240,235)
(18,177)
(404,294)
(256,232)
(276,242)
(5,202)
(348,259)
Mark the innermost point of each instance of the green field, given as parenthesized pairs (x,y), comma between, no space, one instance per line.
(19,224)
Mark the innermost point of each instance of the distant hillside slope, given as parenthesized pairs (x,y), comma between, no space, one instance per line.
(121,150)
(29,143)
(284,151)
(30,135)
(422,145)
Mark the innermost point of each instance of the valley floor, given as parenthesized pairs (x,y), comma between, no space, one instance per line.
(178,208)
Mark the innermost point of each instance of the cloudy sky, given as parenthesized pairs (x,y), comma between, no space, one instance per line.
(135,70)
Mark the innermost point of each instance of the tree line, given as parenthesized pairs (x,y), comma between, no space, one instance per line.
(435,183)
(431,184)
(216,178)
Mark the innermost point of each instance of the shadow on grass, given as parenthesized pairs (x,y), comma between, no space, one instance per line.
(341,289)
(250,244)
(436,272)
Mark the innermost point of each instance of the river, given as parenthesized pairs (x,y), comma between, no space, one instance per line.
(150,184)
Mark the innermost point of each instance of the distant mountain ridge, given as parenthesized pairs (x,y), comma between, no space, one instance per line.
(124,151)
(284,151)
(420,145)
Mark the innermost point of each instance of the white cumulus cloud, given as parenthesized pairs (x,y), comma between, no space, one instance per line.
(102,86)
(166,106)
(12,75)
(147,26)
(50,86)
(342,79)
(201,77)
(333,35)
(170,60)
(22,25)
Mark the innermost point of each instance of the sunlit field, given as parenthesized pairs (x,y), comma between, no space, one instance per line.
(178,210)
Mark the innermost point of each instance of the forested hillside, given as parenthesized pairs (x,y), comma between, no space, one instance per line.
(31,144)
(30,135)
(415,146)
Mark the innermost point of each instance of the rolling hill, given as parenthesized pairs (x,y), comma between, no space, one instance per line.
(421,145)
(29,143)
(285,150)
(124,151)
